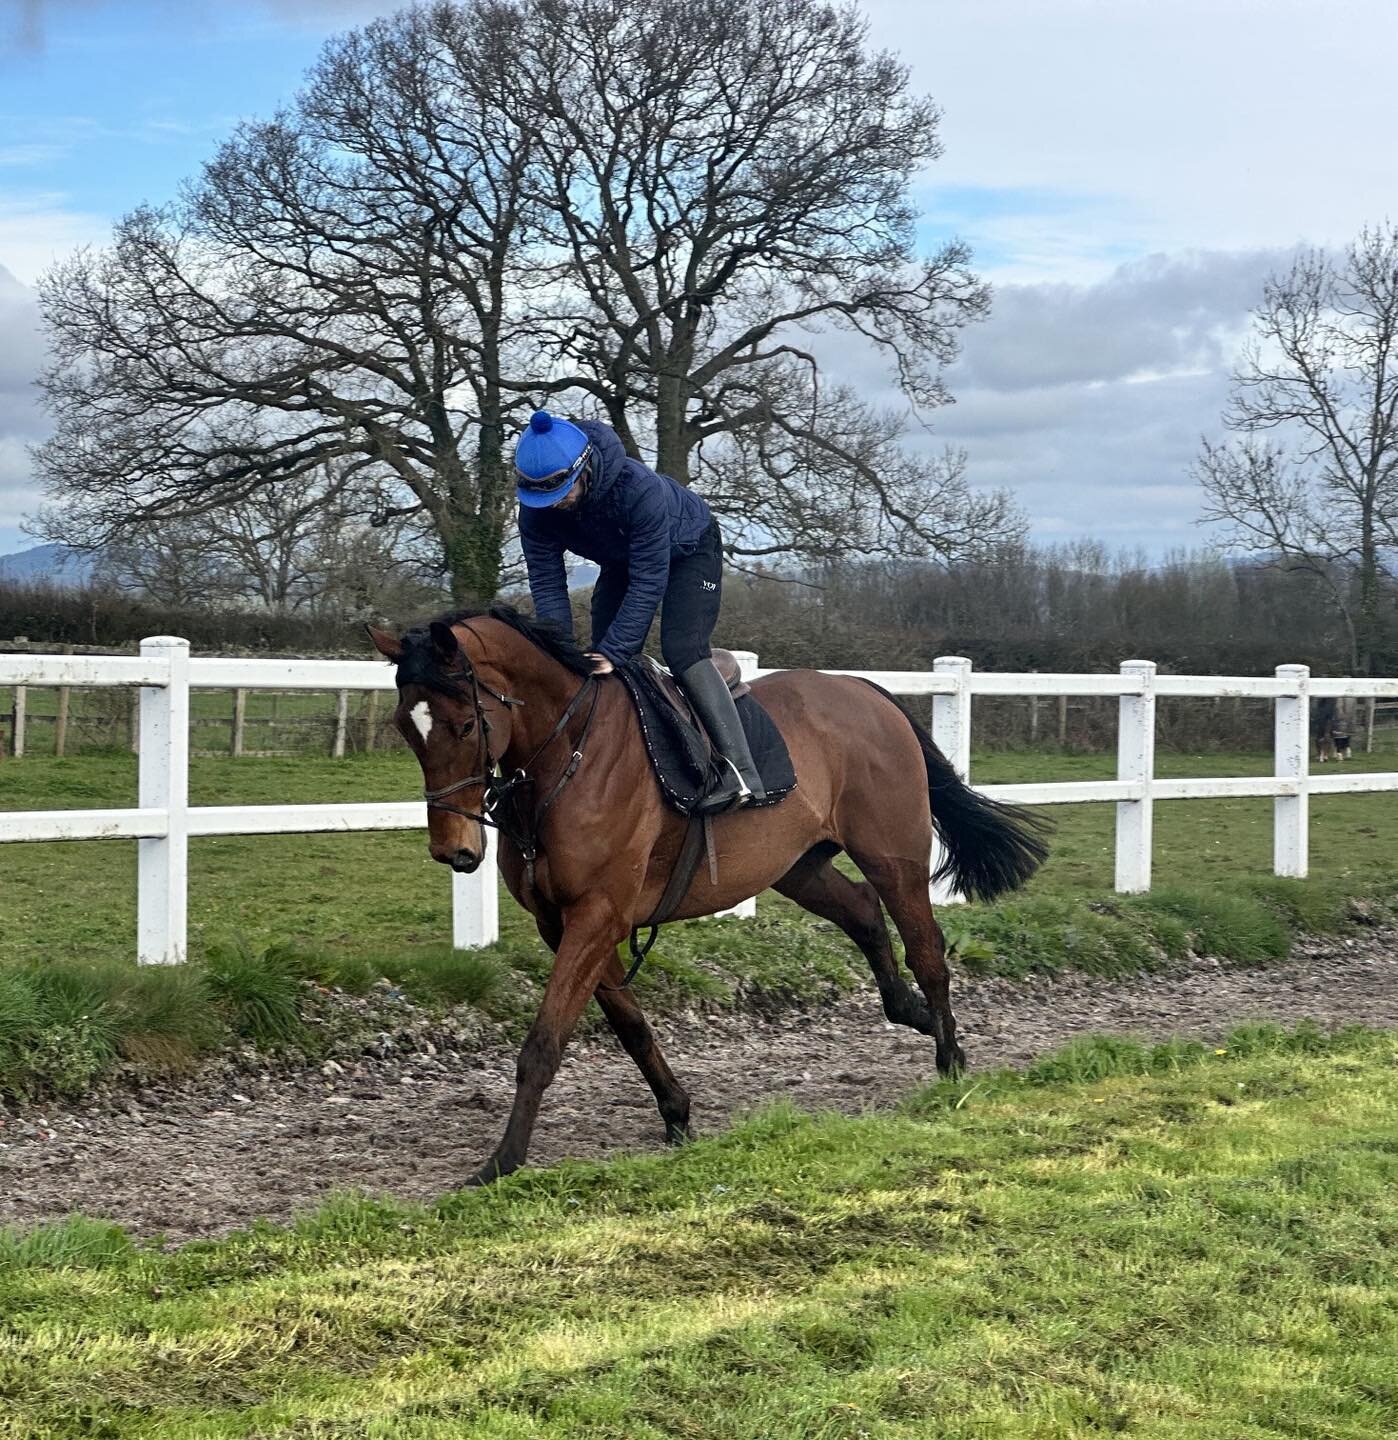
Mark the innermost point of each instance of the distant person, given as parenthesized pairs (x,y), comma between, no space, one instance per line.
(658,547)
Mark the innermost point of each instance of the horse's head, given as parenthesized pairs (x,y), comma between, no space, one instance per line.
(457,725)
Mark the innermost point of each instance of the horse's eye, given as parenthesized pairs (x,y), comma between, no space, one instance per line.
(467,726)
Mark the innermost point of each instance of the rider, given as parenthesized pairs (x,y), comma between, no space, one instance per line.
(658,547)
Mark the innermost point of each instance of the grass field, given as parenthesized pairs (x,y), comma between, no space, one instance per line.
(1169,1243)
(289,720)
(267,912)
(374,894)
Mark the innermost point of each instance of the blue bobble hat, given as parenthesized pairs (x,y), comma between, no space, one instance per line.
(549,457)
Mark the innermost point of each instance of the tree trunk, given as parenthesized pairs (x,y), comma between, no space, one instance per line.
(1368,597)
(471,550)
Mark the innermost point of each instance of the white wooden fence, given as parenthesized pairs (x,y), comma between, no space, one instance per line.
(163,820)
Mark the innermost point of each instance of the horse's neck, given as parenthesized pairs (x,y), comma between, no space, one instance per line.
(544,686)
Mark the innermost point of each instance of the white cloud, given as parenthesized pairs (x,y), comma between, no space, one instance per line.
(1191,124)
(21,420)
(37,230)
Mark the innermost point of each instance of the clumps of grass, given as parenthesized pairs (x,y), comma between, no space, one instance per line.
(451,977)
(65,1024)
(1253,923)
(74,1243)
(259,991)
(1093,1058)
(1047,934)
(58,1028)
(1233,925)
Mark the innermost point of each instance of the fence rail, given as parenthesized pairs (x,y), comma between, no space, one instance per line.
(163,821)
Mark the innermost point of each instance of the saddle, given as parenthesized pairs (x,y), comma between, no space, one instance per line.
(678,745)
(682,758)
(725,662)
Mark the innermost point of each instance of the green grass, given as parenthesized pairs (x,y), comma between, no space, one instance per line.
(1164,1243)
(267,912)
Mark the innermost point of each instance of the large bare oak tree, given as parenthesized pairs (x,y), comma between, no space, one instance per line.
(643,211)
(335,284)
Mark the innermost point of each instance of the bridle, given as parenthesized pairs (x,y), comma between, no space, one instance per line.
(503,805)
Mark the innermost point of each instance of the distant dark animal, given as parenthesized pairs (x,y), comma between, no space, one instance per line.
(507,719)
(1331,723)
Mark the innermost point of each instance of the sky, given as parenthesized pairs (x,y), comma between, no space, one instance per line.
(1127,172)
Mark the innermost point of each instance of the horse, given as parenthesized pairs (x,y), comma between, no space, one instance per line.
(1331,725)
(512,728)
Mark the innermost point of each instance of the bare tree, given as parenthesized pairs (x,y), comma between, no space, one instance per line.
(307,548)
(334,285)
(1312,479)
(718,180)
(474,205)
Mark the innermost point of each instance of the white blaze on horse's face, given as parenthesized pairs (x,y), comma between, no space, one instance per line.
(421,716)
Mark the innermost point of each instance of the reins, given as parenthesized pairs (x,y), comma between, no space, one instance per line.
(519,825)
(520,822)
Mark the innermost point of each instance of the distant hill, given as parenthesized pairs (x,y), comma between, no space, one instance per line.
(56,564)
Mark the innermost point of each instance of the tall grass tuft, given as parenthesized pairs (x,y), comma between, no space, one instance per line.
(1232,926)
(259,991)
(456,977)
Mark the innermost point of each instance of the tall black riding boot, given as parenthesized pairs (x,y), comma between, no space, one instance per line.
(709,695)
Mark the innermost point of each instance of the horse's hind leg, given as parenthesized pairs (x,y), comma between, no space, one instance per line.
(632,1029)
(902,885)
(815,885)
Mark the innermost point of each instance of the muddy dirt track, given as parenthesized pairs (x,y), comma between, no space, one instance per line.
(210,1156)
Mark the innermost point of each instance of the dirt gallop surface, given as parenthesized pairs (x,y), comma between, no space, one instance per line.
(204,1159)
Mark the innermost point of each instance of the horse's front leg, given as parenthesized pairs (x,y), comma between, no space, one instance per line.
(592,929)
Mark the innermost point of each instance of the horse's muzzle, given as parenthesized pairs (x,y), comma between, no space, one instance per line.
(462,860)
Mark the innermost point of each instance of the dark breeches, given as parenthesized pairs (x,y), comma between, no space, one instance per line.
(689,610)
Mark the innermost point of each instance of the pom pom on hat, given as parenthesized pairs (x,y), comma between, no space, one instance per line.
(540,421)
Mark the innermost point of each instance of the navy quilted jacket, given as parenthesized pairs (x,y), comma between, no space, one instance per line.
(631,520)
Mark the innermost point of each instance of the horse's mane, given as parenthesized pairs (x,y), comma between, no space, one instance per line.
(420,664)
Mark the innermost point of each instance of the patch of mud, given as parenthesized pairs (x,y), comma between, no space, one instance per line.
(202,1160)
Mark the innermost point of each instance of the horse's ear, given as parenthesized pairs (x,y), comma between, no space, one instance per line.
(389,646)
(444,640)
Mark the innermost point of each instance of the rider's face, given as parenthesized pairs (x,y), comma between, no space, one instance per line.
(572,498)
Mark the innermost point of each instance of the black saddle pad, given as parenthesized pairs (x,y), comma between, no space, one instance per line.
(679,754)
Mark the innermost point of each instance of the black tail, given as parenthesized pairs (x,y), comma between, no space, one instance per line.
(990,847)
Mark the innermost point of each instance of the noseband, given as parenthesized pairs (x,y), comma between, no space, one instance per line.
(502,805)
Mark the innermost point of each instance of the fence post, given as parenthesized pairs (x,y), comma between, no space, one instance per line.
(1370,705)
(1135,760)
(475,901)
(744,909)
(371,720)
(21,717)
(951,729)
(162,864)
(240,718)
(1291,813)
(341,724)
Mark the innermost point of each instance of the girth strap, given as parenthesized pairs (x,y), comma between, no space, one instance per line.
(698,838)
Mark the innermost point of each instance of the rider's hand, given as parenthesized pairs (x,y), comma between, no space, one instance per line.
(600,664)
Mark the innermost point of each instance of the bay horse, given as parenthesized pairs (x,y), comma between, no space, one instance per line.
(512,728)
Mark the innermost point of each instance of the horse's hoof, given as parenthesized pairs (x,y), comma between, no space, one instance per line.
(951,1061)
(677,1134)
(488,1174)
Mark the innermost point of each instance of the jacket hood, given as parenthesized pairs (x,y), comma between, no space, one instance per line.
(608,457)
